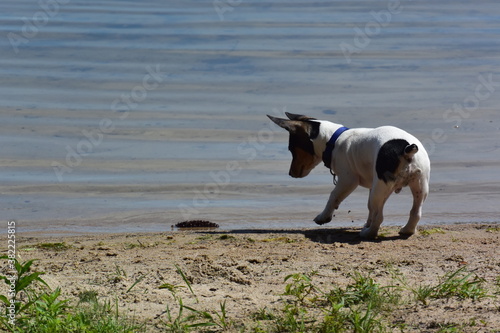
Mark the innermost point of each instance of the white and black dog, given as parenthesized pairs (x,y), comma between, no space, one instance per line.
(383,159)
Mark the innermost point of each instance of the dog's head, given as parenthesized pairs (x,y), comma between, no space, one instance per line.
(303,130)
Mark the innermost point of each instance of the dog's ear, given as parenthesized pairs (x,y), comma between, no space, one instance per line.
(293,116)
(290,125)
(311,128)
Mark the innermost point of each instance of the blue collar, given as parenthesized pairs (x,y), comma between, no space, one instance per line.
(327,154)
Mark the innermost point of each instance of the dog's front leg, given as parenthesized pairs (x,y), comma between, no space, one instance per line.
(344,187)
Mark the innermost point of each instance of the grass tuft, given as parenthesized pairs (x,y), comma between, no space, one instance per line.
(87,296)
(226,237)
(493,229)
(187,318)
(460,283)
(53,246)
(428,232)
(41,310)
(280,240)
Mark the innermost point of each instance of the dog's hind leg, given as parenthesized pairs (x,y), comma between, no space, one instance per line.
(419,189)
(344,187)
(379,193)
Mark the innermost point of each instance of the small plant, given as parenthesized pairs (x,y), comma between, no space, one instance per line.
(423,294)
(138,280)
(294,319)
(187,317)
(205,237)
(184,323)
(264,314)
(459,284)
(21,287)
(357,308)
(365,290)
(448,328)
(96,316)
(87,296)
(129,246)
(300,286)
(335,319)
(171,287)
(118,276)
(53,246)
(226,237)
(493,229)
(219,319)
(365,320)
(50,306)
(364,303)
(40,310)
(462,285)
(48,314)
(432,231)
(279,239)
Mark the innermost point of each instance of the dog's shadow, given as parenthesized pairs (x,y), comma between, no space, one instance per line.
(323,236)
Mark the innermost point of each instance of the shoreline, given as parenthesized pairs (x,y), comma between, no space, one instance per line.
(39,234)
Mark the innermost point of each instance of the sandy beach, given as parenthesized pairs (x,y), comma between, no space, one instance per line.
(246,269)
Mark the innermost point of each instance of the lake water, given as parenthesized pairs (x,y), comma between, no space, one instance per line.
(133,116)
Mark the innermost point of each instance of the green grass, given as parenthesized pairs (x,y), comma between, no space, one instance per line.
(493,229)
(53,246)
(42,310)
(187,318)
(87,296)
(130,246)
(361,306)
(460,284)
(226,237)
(279,240)
(428,232)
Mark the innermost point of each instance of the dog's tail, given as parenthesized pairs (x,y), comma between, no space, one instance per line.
(410,150)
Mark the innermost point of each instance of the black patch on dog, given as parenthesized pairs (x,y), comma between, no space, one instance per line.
(302,139)
(388,158)
(314,130)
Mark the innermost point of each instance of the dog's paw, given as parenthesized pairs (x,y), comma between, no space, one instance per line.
(320,219)
(367,233)
(406,233)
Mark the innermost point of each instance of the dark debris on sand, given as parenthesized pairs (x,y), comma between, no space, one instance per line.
(197,224)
